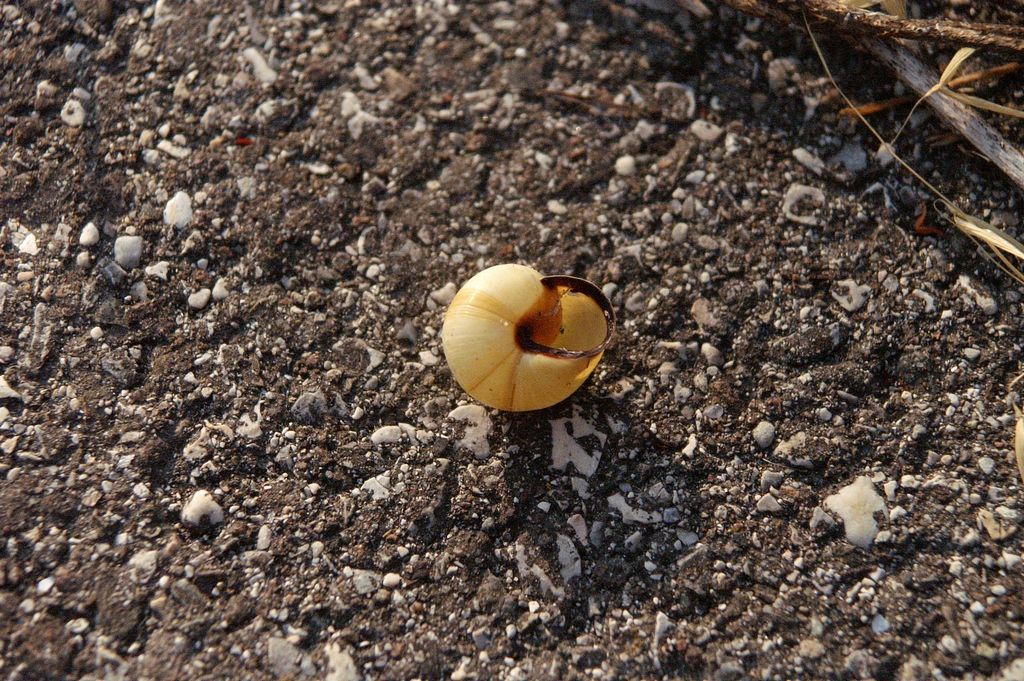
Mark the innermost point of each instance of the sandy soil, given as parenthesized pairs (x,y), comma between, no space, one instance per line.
(230,446)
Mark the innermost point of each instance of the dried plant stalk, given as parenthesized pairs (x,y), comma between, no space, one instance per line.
(956,115)
(838,17)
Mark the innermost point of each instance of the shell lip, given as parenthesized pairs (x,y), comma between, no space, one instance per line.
(576,285)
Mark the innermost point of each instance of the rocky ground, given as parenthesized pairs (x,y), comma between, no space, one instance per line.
(229,443)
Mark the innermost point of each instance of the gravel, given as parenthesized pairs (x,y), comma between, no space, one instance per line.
(90,235)
(73,114)
(856,504)
(198,300)
(625,165)
(243,456)
(128,251)
(201,509)
(178,211)
(764,434)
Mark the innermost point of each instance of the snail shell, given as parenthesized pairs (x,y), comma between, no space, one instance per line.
(517,340)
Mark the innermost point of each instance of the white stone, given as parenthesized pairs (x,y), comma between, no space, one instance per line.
(90,235)
(220,290)
(662,625)
(386,435)
(625,165)
(854,298)
(158,270)
(128,251)
(630,514)
(260,68)
(202,507)
(45,89)
(565,449)
(768,504)
(712,355)
(705,131)
(168,147)
(144,563)
(378,487)
(200,299)
(73,113)
(856,504)
(365,581)
(391,580)
(568,558)
(764,434)
(7,392)
(178,211)
(445,294)
(557,207)
(28,244)
(809,160)
(263,538)
(799,193)
(980,295)
(478,427)
(341,666)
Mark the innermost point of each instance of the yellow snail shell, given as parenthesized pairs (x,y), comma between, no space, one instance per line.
(517,340)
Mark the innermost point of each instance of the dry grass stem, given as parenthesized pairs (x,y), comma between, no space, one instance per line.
(1003,250)
(1018,441)
(959,82)
(838,17)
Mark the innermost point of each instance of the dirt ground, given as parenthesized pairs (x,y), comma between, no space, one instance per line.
(230,447)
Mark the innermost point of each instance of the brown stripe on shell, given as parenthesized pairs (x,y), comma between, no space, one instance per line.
(576,285)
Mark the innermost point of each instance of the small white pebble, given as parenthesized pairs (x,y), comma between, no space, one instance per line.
(391,580)
(986,464)
(386,435)
(263,538)
(260,68)
(764,434)
(178,211)
(998,590)
(705,131)
(96,333)
(128,251)
(90,235)
(625,165)
(202,506)
(200,299)
(557,207)
(220,290)
(73,113)
(768,504)
(712,355)
(83,259)
(857,504)
(158,270)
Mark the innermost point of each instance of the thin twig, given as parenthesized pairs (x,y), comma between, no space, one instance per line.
(962,118)
(834,15)
(968,79)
